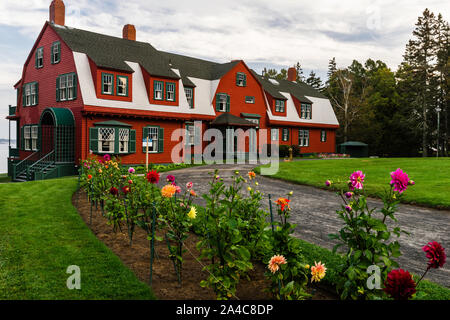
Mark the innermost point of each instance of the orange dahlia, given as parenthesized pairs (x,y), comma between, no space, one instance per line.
(275,262)
(283,203)
(168,191)
(318,271)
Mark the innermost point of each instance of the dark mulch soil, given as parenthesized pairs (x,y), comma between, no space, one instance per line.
(165,284)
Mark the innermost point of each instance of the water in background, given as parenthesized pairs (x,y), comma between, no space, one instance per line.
(4,150)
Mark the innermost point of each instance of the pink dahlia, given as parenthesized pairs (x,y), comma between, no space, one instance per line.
(106,157)
(356,180)
(399,284)
(400,180)
(189,185)
(275,262)
(435,254)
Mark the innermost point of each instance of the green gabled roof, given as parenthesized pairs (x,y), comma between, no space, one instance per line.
(198,68)
(112,52)
(112,123)
(298,89)
(227,119)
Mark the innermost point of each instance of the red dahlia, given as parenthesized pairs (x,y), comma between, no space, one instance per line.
(153,176)
(125,189)
(114,191)
(435,254)
(400,285)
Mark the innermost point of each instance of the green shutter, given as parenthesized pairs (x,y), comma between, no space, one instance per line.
(22,140)
(116,141)
(237,78)
(36,58)
(217,101)
(228,104)
(52,60)
(132,142)
(161,140)
(93,139)
(39,141)
(288,134)
(75,87)
(57,89)
(59,52)
(245,80)
(37,93)
(23,95)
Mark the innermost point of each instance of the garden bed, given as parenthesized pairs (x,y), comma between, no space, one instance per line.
(165,285)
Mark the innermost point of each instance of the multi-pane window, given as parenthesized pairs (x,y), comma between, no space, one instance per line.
(56,52)
(107,83)
(190,97)
(306,111)
(170,91)
(241,79)
(249,99)
(40,58)
(158,90)
(303,138)
(153,138)
(66,88)
(34,137)
(124,136)
(323,136)
(30,94)
(30,138)
(122,86)
(274,134)
(285,136)
(279,105)
(190,131)
(106,140)
(222,102)
(27,137)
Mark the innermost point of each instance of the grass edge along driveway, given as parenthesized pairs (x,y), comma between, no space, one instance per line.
(41,234)
(431,175)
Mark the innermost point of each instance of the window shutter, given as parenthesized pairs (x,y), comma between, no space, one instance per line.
(161,140)
(132,142)
(217,101)
(245,80)
(23,96)
(36,58)
(37,93)
(228,104)
(57,88)
(197,135)
(237,78)
(288,133)
(22,140)
(144,139)
(52,59)
(39,140)
(58,57)
(116,141)
(75,88)
(93,139)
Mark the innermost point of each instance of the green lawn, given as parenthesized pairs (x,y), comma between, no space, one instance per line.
(41,234)
(432,176)
(4,178)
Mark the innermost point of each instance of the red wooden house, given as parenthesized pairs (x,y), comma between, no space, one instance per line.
(83,92)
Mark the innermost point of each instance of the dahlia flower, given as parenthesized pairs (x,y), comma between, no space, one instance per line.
(348,195)
(251,175)
(275,262)
(170,178)
(131,170)
(189,185)
(125,189)
(435,254)
(177,189)
(318,271)
(168,191)
(192,193)
(106,157)
(114,191)
(192,213)
(283,203)
(348,208)
(153,176)
(400,180)
(356,180)
(328,183)
(399,284)
(89,176)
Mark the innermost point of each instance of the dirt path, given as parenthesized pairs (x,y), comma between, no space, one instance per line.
(314,211)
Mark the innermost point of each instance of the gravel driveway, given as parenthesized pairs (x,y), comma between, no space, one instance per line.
(314,211)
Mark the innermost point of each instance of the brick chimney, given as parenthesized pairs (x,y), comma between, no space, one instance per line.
(57,12)
(292,74)
(129,32)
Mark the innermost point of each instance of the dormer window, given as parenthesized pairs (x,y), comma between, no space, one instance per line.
(190,97)
(241,79)
(122,86)
(170,91)
(56,52)
(39,57)
(158,87)
(107,83)
(279,105)
(306,111)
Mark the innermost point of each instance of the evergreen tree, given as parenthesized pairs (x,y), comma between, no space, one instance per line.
(314,81)
(332,68)
(299,70)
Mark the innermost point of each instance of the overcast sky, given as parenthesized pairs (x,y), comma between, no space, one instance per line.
(269,33)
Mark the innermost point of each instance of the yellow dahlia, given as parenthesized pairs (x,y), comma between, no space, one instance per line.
(193,213)
(168,191)
(275,262)
(318,271)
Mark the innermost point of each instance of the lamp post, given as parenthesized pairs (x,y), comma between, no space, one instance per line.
(438,110)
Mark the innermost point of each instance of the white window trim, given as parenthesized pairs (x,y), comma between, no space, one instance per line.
(272,136)
(109,84)
(158,88)
(223,102)
(303,137)
(171,86)
(123,86)
(155,142)
(111,141)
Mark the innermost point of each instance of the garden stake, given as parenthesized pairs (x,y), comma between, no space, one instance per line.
(130,232)
(172,258)
(271,213)
(90,216)
(152,243)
